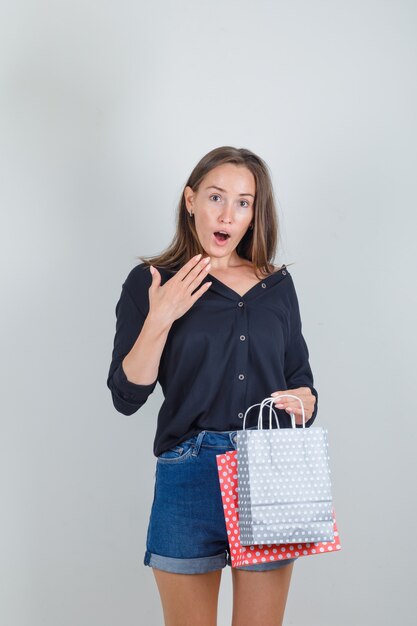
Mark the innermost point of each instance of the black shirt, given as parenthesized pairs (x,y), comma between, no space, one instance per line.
(224,354)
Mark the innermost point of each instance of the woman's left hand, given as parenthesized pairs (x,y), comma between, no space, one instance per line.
(292,406)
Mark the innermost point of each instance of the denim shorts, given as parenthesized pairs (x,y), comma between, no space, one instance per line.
(187,531)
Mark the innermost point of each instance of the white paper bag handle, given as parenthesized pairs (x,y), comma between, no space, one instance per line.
(265,401)
(271,400)
(260,413)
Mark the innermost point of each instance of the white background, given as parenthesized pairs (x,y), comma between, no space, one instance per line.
(105,108)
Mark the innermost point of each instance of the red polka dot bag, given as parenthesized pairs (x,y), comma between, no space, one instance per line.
(227,465)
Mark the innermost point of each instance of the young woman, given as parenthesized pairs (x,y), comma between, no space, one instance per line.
(219,327)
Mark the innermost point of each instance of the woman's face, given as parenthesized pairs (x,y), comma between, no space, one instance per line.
(224,202)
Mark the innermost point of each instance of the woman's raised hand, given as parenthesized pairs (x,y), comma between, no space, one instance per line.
(171,300)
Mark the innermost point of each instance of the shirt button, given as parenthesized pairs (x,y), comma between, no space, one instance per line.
(241,376)
(284,272)
(242,337)
(240,415)
(263,285)
(240,304)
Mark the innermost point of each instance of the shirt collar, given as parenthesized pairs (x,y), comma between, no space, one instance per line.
(256,290)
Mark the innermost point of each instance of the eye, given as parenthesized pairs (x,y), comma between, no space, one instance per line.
(247,203)
(215,195)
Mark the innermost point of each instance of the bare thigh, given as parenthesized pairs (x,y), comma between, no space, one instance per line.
(189,599)
(259,598)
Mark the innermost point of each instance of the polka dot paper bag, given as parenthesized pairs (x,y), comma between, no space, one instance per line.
(284,483)
(262,553)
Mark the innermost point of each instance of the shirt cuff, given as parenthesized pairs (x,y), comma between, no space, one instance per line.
(131,391)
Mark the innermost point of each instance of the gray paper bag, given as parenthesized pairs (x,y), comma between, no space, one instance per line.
(284,485)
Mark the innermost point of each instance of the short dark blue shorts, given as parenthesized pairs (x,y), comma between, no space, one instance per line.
(187,532)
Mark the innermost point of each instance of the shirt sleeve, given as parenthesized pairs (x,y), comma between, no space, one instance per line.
(127,396)
(297,367)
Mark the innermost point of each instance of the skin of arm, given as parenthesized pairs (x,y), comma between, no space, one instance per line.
(141,364)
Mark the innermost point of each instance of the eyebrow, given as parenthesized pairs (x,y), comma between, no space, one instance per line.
(220,189)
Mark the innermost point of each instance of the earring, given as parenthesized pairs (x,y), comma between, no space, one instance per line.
(191,213)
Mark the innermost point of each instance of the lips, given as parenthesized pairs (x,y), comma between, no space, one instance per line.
(222,235)
(220,240)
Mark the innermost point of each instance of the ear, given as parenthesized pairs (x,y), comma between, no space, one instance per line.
(189,198)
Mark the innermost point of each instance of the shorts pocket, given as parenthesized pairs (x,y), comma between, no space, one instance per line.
(179,453)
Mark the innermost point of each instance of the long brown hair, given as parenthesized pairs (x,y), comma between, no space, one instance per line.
(258,245)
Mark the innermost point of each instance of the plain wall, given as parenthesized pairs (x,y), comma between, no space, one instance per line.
(105,108)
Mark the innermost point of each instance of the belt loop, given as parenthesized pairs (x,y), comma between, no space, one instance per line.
(198,443)
(232,437)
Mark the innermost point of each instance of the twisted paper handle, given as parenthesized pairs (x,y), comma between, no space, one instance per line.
(270,400)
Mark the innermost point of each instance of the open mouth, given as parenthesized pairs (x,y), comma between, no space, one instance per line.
(221,236)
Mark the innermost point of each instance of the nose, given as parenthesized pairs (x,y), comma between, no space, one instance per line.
(226,214)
